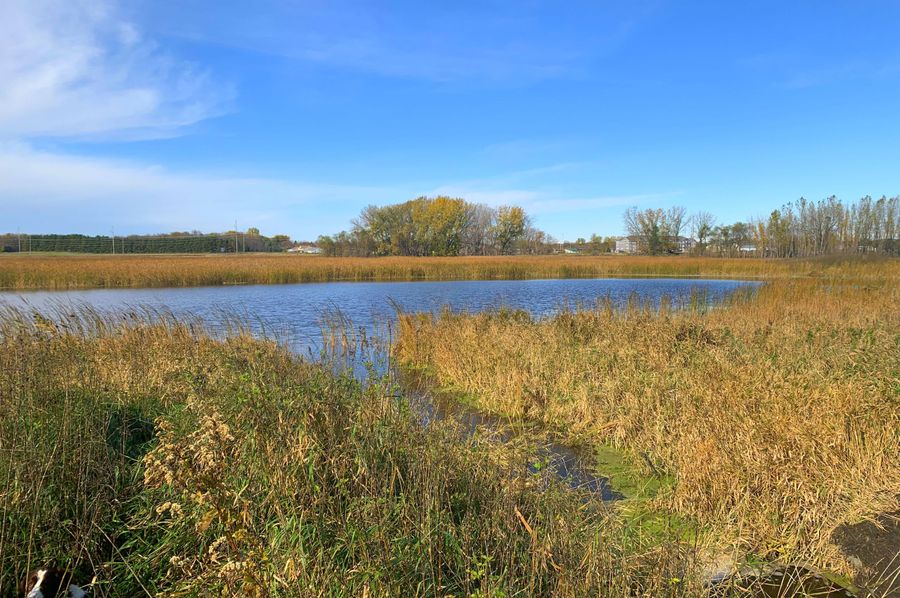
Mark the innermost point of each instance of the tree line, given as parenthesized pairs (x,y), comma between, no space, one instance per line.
(176,242)
(831,227)
(437,226)
(798,229)
(656,230)
(445,226)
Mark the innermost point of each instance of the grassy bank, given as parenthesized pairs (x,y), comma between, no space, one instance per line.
(21,272)
(776,417)
(159,461)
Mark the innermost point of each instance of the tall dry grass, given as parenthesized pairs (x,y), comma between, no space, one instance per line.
(778,415)
(157,461)
(38,271)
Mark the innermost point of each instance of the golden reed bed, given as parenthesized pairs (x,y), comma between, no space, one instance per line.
(776,416)
(55,271)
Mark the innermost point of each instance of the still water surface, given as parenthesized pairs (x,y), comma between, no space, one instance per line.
(295,312)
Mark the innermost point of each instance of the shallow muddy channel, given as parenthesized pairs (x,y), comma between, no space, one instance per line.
(570,465)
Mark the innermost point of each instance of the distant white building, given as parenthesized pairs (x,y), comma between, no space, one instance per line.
(684,244)
(628,245)
(310,249)
(635,244)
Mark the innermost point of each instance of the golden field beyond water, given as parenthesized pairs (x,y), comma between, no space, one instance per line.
(776,417)
(37,271)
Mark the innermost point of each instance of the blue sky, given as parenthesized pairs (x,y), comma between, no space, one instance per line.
(292,115)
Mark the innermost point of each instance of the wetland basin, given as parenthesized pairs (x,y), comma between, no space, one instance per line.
(300,315)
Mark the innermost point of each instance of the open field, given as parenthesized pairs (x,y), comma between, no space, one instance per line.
(770,422)
(37,271)
(166,463)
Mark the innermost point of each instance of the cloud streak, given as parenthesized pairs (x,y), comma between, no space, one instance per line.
(93,194)
(77,69)
(444,43)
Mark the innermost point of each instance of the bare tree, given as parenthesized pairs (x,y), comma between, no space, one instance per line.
(649,226)
(675,222)
(632,222)
(702,225)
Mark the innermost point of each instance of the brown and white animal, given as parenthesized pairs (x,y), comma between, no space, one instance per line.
(51,583)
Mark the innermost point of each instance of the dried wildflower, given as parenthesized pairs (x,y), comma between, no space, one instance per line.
(214,550)
(173,508)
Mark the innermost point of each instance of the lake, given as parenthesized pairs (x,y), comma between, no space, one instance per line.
(295,312)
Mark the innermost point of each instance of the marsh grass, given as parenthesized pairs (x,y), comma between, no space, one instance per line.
(35,271)
(145,455)
(158,457)
(777,415)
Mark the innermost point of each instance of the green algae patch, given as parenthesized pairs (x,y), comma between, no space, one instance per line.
(626,477)
(645,523)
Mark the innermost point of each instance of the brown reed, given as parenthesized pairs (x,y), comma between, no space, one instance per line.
(777,415)
(57,271)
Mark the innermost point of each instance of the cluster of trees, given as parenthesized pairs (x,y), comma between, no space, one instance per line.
(798,229)
(657,230)
(177,242)
(595,245)
(437,226)
(831,227)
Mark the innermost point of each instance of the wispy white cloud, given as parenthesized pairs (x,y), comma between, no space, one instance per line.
(91,194)
(77,68)
(475,42)
(417,59)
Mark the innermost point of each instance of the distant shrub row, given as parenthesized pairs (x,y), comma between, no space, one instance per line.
(212,243)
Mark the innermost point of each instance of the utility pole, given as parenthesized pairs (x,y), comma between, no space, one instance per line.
(235,238)
(113,234)
(19,235)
